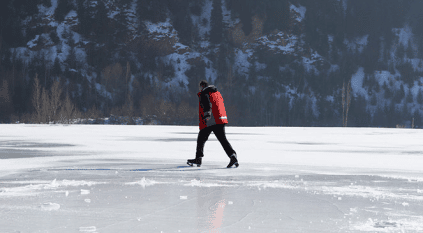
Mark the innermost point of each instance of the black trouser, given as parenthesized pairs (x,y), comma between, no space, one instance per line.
(219,131)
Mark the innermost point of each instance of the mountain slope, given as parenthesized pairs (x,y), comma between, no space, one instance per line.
(276,62)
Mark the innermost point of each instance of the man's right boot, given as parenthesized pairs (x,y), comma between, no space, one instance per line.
(196,161)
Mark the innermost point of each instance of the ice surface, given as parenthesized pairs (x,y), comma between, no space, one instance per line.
(105,178)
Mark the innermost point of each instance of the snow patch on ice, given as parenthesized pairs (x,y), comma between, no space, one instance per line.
(271,184)
(85,192)
(35,187)
(50,206)
(199,183)
(399,225)
(88,229)
(411,178)
(143,182)
(371,192)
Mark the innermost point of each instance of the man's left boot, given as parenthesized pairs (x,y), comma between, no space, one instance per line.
(196,161)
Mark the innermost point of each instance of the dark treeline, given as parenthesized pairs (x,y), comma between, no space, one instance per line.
(123,72)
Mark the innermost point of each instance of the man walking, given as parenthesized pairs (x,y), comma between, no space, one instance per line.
(213,118)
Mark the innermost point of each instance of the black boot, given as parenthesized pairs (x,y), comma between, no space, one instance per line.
(197,161)
(234,161)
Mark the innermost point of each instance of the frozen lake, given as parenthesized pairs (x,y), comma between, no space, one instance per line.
(100,178)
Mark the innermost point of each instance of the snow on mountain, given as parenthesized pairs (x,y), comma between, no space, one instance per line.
(404,34)
(48,11)
(180,64)
(279,43)
(309,62)
(242,63)
(163,43)
(357,44)
(227,16)
(301,10)
(164,28)
(203,21)
(33,43)
(357,83)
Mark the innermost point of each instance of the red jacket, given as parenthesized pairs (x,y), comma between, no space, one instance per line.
(212,106)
